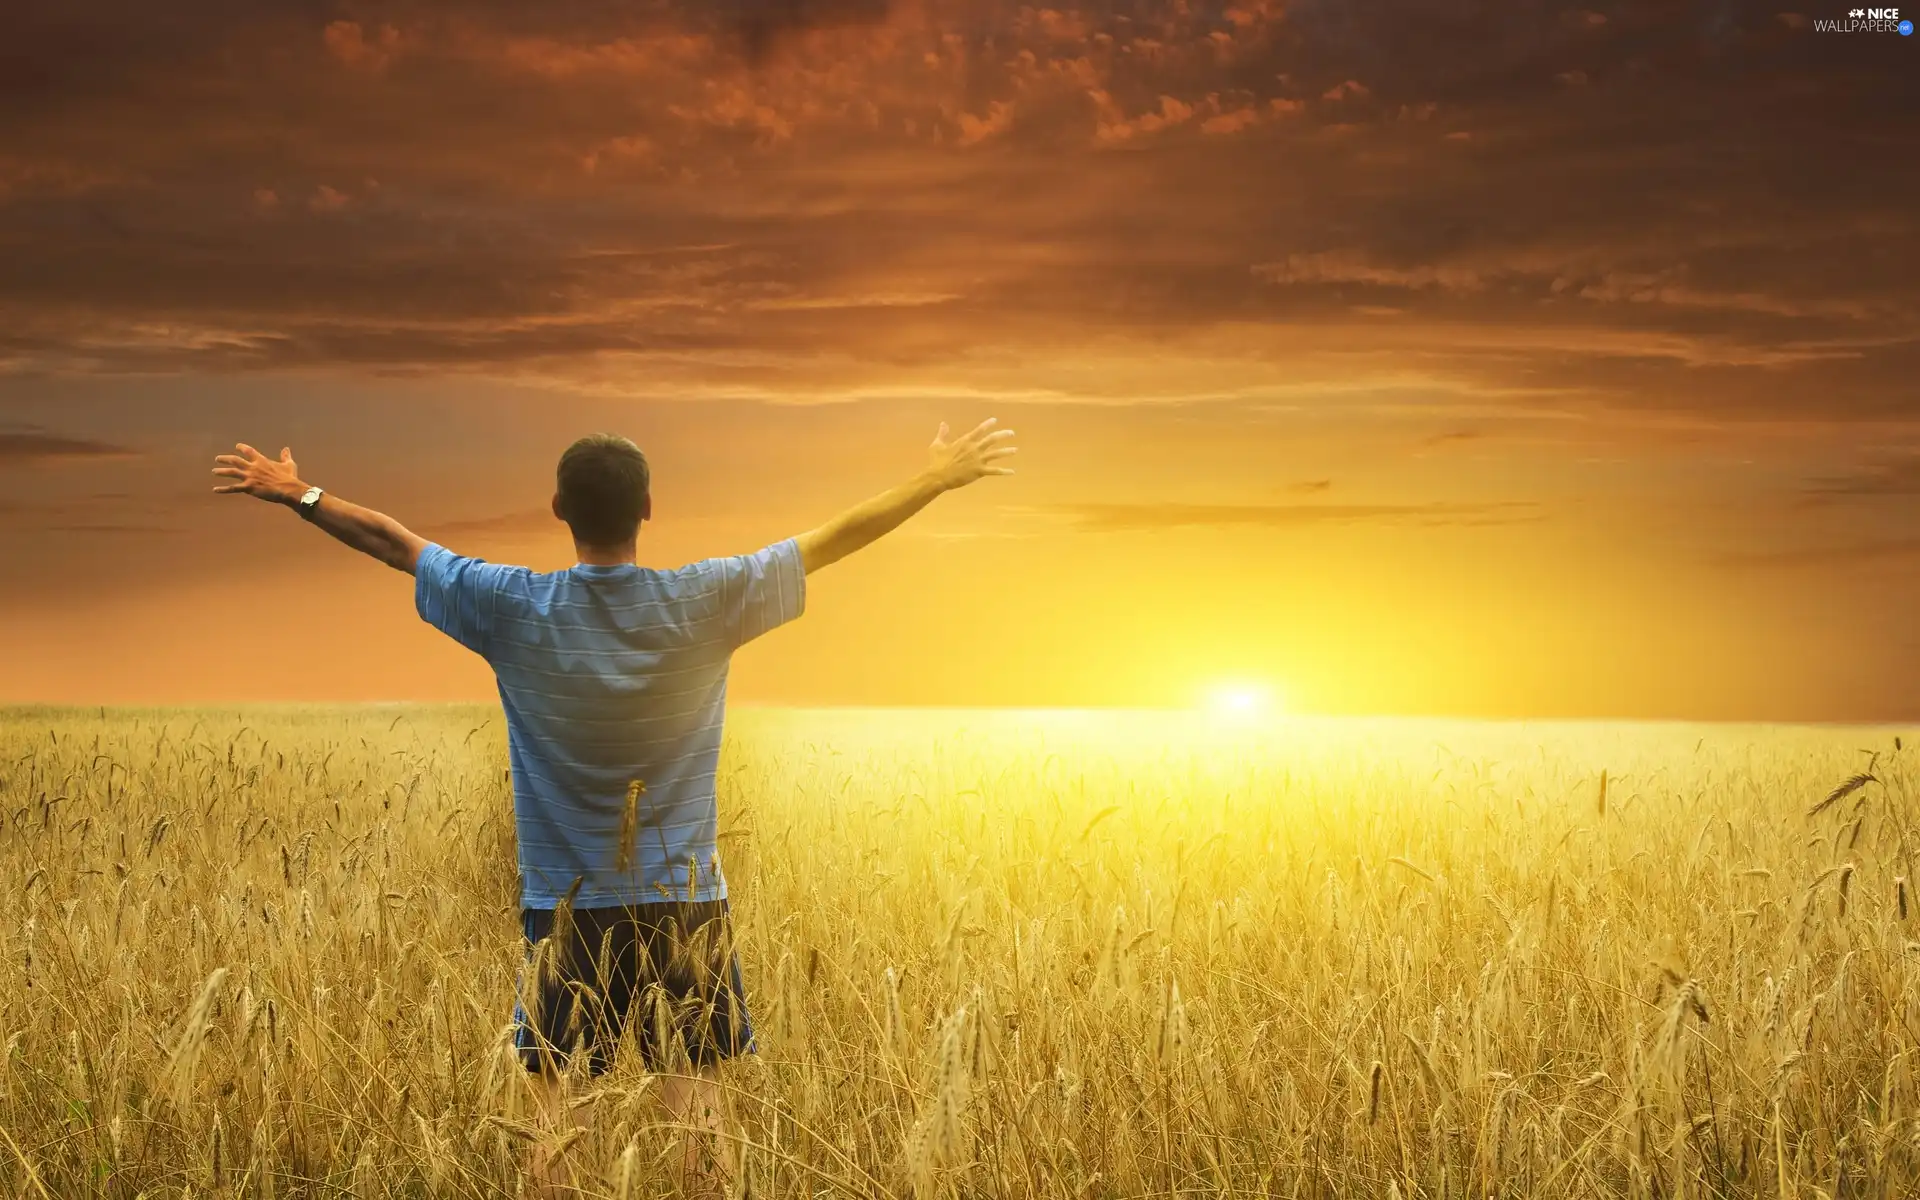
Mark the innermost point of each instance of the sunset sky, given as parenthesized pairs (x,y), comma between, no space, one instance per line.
(1408,357)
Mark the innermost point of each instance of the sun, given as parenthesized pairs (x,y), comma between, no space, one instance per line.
(1242,701)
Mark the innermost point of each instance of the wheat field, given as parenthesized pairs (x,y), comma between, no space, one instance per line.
(272,952)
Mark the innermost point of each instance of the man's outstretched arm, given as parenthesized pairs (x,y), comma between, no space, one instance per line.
(950,465)
(278,480)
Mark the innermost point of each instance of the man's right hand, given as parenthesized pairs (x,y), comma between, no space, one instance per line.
(950,465)
(972,456)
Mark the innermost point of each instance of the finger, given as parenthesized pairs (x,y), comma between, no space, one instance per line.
(286,454)
(942,435)
(228,487)
(247,450)
(998,435)
(999,452)
(980,430)
(230,472)
(230,460)
(999,470)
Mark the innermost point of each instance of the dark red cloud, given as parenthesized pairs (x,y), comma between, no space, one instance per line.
(793,200)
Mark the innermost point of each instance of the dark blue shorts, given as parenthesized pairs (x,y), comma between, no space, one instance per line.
(666,968)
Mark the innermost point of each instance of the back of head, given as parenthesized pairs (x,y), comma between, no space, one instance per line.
(602,491)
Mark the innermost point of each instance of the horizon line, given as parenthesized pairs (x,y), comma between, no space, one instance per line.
(1187,710)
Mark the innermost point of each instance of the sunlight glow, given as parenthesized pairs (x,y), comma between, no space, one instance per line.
(1242,701)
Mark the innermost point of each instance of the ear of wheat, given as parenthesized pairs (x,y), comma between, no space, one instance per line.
(1842,792)
(629,825)
(184,1057)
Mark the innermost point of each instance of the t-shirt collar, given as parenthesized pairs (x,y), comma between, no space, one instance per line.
(605,570)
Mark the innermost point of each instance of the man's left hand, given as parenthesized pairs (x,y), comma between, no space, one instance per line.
(257,475)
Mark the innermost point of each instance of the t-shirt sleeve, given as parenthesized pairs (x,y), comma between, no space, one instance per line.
(459,596)
(760,591)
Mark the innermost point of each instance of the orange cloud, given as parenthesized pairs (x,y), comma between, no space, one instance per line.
(1231,122)
(1171,112)
(974,130)
(327,199)
(349,44)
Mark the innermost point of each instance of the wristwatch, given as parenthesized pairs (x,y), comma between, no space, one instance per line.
(309,503)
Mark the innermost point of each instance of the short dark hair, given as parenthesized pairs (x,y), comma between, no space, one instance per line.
(603,483)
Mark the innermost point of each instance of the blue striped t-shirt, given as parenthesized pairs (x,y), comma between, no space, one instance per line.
(608,675)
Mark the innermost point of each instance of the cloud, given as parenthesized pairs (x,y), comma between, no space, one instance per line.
(1893,477)
(1891,551)
(762,25)
(514,524)
(1311,485)
(327,199)
(361,49)
(33,447)
(1452,437)
(1350,267)
(999,119)
(1123,518)
(1231,121)
(1577,276)
(1165,186)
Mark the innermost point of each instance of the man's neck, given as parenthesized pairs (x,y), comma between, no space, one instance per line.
(607,556)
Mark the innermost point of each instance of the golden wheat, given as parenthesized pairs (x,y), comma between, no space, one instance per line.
(274,953)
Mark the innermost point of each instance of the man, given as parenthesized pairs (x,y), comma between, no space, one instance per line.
(613,680)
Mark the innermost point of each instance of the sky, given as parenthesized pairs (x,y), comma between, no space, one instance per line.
(1517,360)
